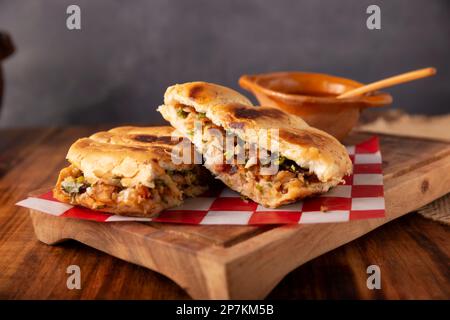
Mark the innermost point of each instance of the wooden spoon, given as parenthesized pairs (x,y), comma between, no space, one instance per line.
(389,82)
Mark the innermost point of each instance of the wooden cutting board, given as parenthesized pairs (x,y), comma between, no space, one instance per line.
(247,262)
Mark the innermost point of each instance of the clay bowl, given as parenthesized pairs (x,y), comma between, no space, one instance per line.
(312,96)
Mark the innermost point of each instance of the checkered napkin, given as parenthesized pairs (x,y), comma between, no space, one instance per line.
(361,197)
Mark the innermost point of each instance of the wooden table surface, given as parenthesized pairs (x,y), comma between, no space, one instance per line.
(412,252)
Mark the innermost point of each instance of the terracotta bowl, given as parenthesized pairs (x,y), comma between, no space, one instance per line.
(312,96)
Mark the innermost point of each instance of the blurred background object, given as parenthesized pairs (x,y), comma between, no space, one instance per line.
(116,68)
(398,122)
(438,210)
(6,49)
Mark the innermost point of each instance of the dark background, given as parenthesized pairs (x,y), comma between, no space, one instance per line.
(115,69)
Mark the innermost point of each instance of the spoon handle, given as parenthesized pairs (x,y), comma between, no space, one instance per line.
(389,82)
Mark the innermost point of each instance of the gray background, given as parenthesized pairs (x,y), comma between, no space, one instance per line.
(115,70)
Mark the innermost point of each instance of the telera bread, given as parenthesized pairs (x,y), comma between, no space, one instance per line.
(309,161)
(130,171)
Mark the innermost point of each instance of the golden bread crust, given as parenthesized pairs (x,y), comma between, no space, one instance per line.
(134,158)
(308,146)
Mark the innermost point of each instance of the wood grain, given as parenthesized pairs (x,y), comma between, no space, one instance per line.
(29,269)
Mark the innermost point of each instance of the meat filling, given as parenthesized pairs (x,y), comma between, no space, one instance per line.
(242,167)
(103,194)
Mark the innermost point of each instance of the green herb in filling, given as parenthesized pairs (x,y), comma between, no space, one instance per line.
(280,160)
(74,186)
(80,179)
(288,165)
(244,198)
(182,114)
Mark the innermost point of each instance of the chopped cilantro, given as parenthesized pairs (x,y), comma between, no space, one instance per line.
(280,160)
(182,114)
(71,187)
(288,165)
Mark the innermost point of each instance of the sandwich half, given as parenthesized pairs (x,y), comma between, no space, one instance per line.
(130,171)
(308,161)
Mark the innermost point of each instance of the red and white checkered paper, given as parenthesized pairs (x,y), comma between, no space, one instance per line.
(361,197)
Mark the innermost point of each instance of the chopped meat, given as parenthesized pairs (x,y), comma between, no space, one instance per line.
(290,177)
(111,193)
(103,192)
